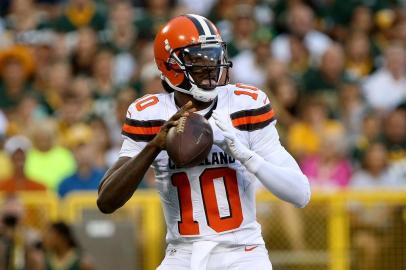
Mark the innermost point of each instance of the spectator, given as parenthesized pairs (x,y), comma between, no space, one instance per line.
(275,71)
(78,14)
(300,22)
(20,246)
(384,20)
(77,106)
(305,137)
(62,46)
(395,135)
(155,14)
(102,73)
(243,27)
(125,97)
(121,36)
(62,250)
(359,63)
(44,55)
(351,110)
(24,113)
(286,100)
(329,168)
(371,224)
(385,88)
(46,154)
(87,176)
(255,61)
(16,65)
(84,52)
(104,90)
(300,59)
(58,76)
(362,20)
(24,16)
(327,79)
(17,147)
(374,171)
(101,143)
(121,33)
(222,11)
(400,31)
(370,133)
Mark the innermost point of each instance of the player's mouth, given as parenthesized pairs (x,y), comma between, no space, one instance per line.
(208,84)
(206,80)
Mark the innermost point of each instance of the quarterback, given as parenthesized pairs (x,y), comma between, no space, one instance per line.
(210,208)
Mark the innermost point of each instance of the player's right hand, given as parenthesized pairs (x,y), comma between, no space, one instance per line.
(160,139)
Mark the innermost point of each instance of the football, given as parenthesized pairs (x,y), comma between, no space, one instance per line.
(189,143)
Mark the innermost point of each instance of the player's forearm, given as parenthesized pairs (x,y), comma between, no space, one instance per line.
(286,182)
(119,185)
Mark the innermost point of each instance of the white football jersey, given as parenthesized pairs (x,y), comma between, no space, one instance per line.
(216,199)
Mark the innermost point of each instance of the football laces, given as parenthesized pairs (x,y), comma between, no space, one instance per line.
(181,125)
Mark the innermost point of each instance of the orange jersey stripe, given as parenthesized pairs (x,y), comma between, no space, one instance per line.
(141,130)
(246,120)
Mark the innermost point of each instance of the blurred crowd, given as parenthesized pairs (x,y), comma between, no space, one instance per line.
(24,248)
(335,72)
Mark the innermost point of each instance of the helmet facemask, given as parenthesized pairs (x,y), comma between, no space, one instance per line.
(205,66)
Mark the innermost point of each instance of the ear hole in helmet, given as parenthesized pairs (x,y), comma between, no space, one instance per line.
(168,66)
(173,66)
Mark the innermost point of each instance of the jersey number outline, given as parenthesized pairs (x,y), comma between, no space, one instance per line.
(250,90)
(145,102)
(186,225)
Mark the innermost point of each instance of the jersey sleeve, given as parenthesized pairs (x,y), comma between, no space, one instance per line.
(130,148)
(138,129)
(265,142)
(256,116)
(252,109)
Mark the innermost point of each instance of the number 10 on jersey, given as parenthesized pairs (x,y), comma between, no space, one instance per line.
(186,225)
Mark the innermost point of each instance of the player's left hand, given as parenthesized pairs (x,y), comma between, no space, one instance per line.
(230,143)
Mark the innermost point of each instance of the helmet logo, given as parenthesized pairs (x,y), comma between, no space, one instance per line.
(167,46)
(209,39)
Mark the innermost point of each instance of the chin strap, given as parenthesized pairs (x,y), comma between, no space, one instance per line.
(196,92)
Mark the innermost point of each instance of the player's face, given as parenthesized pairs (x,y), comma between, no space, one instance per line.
(204,64)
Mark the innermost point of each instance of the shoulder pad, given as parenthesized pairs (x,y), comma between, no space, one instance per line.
(144,118)
(250,108)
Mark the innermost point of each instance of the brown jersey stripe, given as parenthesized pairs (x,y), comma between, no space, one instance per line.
(141,130)
(246,120)
(139,137)
(250,120)
(253,127)
(253,112)
(144,123)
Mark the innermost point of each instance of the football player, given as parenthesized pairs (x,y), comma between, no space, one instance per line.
(210,208)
